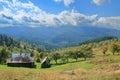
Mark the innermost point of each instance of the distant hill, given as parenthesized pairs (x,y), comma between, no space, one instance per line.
(98,40)
(58,36)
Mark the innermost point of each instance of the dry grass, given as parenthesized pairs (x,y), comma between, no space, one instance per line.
(78,74)
(105,59)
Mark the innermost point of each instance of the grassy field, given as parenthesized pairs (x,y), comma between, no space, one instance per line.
(68,66)
(102,67)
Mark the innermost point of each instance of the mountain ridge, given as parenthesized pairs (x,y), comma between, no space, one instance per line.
(58,36)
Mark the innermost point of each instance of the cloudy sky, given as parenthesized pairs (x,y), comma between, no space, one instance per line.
(57,13)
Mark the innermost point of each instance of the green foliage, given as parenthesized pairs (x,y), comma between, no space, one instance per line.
(63,58)
(55,57)
(32,54)
(84,51)
(74,54)
(36,55)
(42,55)
(15,45)
(4,54)
(115,47)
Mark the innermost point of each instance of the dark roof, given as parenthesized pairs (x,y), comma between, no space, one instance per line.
(45,59)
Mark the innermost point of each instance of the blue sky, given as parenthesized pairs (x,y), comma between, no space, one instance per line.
(37,13)
(88,7)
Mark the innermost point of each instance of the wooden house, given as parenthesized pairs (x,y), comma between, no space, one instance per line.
(21,60)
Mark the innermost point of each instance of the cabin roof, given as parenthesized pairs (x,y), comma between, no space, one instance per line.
(18,57)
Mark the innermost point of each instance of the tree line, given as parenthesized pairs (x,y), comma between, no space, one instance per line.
(86,50)
(64,55)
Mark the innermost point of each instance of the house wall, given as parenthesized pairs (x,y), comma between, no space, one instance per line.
(21,64)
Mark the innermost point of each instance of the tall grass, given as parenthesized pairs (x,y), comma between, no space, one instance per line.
(79,74)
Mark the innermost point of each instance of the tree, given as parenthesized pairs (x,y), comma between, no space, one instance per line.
(36,55)
(63,58)
(32,53)
(43,54)
(115,47)
(87,51)
(67,55)
(4,54)
(87,54)
(104,49)
(56,56)
(38,60)
(74,54)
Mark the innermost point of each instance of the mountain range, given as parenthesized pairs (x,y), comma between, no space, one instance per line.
(58,36)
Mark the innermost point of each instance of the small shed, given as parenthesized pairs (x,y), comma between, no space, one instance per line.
(45,63)
(21,60)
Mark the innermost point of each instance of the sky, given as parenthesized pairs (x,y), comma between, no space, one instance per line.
(57,13)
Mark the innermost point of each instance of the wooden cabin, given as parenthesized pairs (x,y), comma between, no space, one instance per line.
(21,60)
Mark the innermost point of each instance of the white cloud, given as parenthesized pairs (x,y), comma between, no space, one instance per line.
(3,0)
(27,14)
(100,2)
(57,0)
(112,22)
(66,2)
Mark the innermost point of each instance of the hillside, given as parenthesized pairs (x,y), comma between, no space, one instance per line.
(97,40)
(99,66)
(15,45)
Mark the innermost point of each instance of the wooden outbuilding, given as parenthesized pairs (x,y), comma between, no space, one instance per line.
(45,63)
